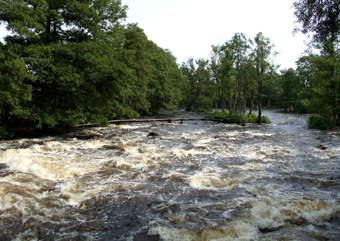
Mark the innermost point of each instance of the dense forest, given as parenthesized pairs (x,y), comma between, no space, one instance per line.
(71,62)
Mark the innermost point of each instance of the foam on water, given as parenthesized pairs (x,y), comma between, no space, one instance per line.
(238,230)
(44,166)
(204,181)
(180,152)
(265,214)
(94,144)
(212,181)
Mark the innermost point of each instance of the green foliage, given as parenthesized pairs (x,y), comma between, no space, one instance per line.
(73,62)
(233,73)
(321,20)
(252,118)
(319,123)
(321,92)
(293,94)
(237,72)
(264,68)
(4,133)
(197,86)
(237,118)
(302,105)
(222,68)
(265,120)
(163,90)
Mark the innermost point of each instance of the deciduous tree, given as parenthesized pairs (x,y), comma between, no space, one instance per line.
(321,19)
(264,67)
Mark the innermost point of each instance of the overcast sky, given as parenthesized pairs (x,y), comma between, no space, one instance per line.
(188,28)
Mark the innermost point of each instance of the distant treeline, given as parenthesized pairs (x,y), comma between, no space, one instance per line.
(71,62)
(241,72)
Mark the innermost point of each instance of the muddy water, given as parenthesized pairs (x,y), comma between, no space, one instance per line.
(193,181)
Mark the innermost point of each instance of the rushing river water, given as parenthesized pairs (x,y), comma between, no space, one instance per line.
(194,180)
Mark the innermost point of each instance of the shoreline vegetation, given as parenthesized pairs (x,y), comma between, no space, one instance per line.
(239,118)
(79,63)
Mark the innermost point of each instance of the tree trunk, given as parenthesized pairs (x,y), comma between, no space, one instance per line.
(223,106)
(260,102)
(239,102)
(251,102)
(244,99)
(336,119)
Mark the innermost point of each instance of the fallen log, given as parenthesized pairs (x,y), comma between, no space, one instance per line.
(170,120)
(159,120)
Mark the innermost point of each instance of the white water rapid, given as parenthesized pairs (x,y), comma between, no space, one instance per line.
(196,180)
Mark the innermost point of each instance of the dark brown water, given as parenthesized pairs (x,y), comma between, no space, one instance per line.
(194,181)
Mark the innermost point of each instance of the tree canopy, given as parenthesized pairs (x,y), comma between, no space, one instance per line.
(71,62)
(321,19)
(237,72)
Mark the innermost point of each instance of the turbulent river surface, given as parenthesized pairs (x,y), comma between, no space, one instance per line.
(196,180)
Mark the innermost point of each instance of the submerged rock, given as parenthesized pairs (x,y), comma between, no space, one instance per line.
(3,166)
(321,147)
(152,134)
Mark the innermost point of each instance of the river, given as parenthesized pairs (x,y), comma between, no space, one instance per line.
(196,180)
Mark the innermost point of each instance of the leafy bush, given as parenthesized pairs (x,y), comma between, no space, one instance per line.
(253,118)
(3,132)
(319,123)
(237,118)
(302,106)
(265,120)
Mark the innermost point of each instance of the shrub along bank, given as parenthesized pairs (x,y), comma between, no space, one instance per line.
(237,118)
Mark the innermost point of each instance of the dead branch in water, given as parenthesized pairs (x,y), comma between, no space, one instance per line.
(169,120)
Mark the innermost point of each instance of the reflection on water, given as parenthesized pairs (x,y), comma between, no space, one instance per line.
(195,180)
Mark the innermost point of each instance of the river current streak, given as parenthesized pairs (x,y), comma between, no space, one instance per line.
(196,180)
